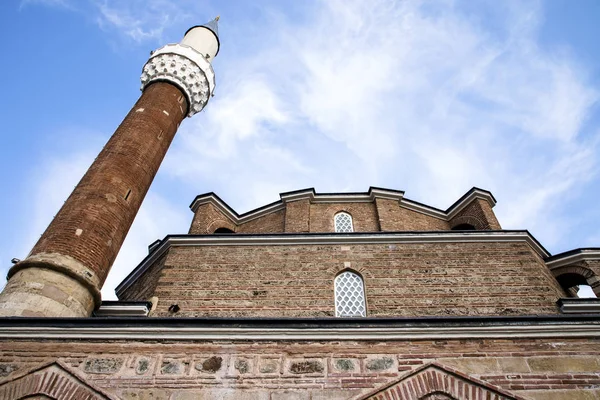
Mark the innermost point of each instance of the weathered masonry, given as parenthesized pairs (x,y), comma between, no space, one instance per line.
(315,296)
(329,296)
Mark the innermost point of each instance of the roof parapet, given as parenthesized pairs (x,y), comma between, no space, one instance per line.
(351,197)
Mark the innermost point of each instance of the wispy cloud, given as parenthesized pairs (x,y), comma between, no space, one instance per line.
(49,3)
(138,20)
(149,20)
(157,217)
(402,94)
(54,181)
(340,95)
(135,20)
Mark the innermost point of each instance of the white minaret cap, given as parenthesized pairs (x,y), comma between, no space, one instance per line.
(187,65)
(204,39)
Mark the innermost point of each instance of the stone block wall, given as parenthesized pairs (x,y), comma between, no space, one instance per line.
(536,369)
(404,279)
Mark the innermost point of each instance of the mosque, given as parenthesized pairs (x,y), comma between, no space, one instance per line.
(367,295)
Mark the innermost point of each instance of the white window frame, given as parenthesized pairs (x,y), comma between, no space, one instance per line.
(340,215)
(354,295)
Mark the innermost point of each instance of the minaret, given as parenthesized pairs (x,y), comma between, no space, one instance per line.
(64,272)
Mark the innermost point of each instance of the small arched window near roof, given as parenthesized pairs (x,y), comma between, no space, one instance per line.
(223,230)
(343,222)
(349,295)
(572,283)
(464,227)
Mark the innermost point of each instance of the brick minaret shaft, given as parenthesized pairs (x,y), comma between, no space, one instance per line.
(65,270)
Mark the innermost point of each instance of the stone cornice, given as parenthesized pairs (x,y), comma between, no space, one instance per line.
(573,257)
(454,209)
(367,197)
(329,239)
(179,329)
(468,198)
(123,309)
(579,306)
(216,201)
(423,209)
(364,197)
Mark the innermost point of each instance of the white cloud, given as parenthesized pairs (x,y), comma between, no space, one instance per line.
(150,20)
(54,180)
(156,218)
(49,3)
(236,117)
(138,21)
(49,186)
(401,94)
(410,95)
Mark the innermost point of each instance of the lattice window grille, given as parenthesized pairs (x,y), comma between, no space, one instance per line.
(349,295)
(343,222)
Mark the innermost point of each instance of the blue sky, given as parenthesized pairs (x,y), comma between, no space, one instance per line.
(430,97)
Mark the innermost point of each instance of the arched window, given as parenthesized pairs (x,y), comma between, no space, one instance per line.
(343,222)
(464,227)
(223,230)
(576,285)
(349,295)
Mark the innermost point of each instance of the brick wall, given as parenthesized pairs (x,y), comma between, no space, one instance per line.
(392,218)
(145,286)
(439,279)
(364,216)
(209,218)
(270,223)
(594,282)
(479,214)
(545,368)
(581,272)
(297,216)
(381,215)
